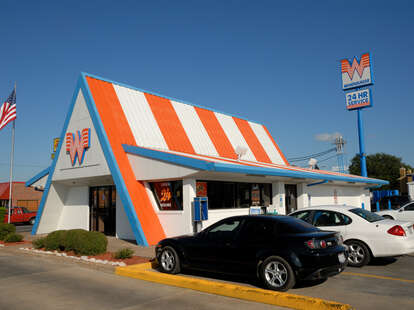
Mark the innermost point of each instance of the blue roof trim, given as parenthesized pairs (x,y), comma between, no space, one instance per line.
(234,168)
(53,166)
(166,97)
(171,158)
(113,166)
(37,177)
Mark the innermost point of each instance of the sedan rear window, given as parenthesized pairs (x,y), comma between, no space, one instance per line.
(295,227)
(367,215)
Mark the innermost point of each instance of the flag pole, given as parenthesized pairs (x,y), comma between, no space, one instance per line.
(11,167)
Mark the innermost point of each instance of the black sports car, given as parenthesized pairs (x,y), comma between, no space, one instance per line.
(278,249)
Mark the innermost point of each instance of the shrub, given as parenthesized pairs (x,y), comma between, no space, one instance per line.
(123,253)
(6,229)
(78,240)
(3,212)
(55,240)
(39,243)
(92,243)
(13,237)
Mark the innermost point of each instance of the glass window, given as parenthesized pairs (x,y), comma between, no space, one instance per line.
(258,231)
(294,226)
(330,218)
(229,195)
(367,215)
(224,231)
(168,195)
(410,207)
(303,215)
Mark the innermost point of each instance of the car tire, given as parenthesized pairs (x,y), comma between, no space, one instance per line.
(277,274)
(388,217)
(169,260)
(359,254)
(32,221)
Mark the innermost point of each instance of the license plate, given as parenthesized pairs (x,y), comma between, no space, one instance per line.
(341,258)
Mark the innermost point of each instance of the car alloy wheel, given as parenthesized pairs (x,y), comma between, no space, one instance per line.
(358,254)
(277,274)
(169,260)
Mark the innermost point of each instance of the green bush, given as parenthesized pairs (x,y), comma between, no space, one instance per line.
(123,253)
(13,237)
(39,243)
(3,212)
(55,240)
(6,229)
(78,240)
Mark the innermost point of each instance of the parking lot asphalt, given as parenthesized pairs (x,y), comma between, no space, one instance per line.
(383,284)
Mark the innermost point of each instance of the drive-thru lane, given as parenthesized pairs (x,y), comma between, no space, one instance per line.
(31,282)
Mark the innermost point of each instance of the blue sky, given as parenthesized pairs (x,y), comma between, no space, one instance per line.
(274,62)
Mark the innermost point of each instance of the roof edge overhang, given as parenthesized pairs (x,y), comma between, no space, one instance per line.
(37,177)
(207,164)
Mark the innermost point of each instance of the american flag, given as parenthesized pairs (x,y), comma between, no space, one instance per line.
(8,110)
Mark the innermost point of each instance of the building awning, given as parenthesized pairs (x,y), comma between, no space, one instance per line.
(249,168)
(39,180)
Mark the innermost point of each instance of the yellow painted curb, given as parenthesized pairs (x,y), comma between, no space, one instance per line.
(143,272)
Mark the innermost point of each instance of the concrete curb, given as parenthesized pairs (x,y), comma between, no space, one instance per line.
(144,272)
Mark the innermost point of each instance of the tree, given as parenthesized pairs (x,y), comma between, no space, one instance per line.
(380,166)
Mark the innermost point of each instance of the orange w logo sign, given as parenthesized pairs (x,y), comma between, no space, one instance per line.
(76,145)
(359,67)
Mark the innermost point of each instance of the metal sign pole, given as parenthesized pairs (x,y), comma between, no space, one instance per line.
(361,144)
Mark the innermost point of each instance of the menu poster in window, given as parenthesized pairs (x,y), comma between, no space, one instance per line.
(163,191)
(201,188)
(255,195)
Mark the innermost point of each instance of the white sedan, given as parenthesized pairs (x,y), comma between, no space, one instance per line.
(366,234)
(405,213)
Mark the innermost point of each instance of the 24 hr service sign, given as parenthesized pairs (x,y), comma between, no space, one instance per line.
(358,99)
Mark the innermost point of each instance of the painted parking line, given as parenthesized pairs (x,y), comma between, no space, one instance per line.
(366,275)
(292,301)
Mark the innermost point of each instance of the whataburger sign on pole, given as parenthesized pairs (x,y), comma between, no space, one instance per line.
(357,76)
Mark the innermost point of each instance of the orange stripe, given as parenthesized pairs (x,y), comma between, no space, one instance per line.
(216,133)
(169,124)
(276,146)
(118,132)
(252,140)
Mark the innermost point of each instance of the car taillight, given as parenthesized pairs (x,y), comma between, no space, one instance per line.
(396,230)
(315,244)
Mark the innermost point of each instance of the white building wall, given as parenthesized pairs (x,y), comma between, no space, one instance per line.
(75,211)
(411,190)
(122,225)
(303,198)
(338,195)
(278,191)
(94,163)
(52,209)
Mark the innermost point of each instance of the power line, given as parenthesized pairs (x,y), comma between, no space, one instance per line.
(303,158)
(23,165)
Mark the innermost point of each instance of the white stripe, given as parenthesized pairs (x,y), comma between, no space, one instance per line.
(267,144)
(9,117)
(140,118)
(234,135)
(194,129)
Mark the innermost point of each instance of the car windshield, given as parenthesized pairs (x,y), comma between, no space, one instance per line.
(24,209)
(367,215)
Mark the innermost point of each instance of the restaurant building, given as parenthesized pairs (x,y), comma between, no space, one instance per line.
(131,163)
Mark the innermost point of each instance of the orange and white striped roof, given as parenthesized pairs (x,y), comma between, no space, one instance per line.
(166,124)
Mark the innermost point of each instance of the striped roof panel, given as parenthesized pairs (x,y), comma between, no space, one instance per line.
(164,124)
